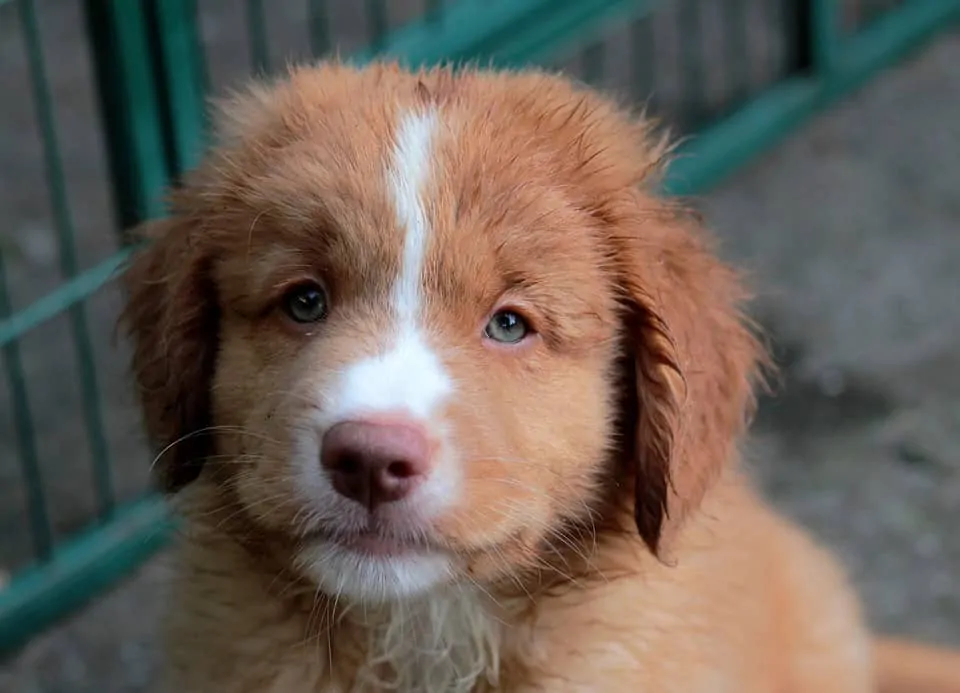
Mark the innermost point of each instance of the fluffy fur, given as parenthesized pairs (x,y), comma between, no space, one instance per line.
(583,525)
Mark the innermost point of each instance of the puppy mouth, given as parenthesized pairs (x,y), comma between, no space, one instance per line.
(376,544)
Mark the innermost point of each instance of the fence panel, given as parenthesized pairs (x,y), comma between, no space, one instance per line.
(75,511)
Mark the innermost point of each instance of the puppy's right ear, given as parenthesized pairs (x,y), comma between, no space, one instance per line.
(172,318)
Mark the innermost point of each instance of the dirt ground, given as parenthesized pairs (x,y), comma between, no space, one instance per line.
(851,232)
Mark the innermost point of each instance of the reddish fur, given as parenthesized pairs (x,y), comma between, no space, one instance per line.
(634,392)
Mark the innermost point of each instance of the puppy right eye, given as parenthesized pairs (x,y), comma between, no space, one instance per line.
(507,327)
(305,303)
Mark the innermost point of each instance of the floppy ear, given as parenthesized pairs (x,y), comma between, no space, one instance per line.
(692,360)
(171,317)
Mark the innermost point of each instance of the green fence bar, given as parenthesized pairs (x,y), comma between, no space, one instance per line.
(537,36)
(79,288)
(433,10)
(691,62)
(181,82)
(36,501)
(129,110)
(376,23)
(510,32)
(83,348)
(643,62)
(736,56)
(722,148)
(825,35)
(320,43)
(88,564)
(594,62)
(257,37)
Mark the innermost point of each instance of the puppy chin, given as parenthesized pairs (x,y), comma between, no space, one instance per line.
(357,576)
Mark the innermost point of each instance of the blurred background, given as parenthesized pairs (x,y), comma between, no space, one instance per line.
(821,140)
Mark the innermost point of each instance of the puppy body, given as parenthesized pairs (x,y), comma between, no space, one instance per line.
(450,400)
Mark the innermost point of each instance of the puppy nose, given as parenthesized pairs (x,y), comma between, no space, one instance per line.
(375,463)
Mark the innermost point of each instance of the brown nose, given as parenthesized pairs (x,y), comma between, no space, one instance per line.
(375,463)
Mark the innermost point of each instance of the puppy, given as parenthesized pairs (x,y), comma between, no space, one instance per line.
(448,400)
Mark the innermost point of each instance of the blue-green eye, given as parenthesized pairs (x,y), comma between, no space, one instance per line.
(506,327)
(305,303)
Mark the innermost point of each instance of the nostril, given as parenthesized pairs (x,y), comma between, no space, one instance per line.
(348,464)
(402,469)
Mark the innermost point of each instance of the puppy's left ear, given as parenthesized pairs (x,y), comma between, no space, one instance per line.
(172,319)
(691,361)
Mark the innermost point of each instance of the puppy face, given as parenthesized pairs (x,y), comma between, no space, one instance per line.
(421,325)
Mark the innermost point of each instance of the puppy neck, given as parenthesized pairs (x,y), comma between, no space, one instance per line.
(447,640)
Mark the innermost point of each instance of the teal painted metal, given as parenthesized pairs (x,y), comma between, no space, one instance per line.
(826,43)
(129,107)
(77,289)
(257,37)
(433,10)
(83,348)
(735,53)
(594,61)
(721,149)
(377,23)
(510,33)
(690,19)
(37,514)
(181,81)
(320,43)
(151,78)
(88,564)
(643,63)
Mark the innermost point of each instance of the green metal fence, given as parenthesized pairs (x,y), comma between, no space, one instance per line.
(75,512)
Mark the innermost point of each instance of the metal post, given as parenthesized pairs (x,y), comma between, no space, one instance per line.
(181,79)
(818,35)
(132,123)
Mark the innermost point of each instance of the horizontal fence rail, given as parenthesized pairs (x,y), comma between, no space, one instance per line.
(731,76)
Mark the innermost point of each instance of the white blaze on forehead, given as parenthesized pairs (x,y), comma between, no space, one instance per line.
(407,375)
(410,170)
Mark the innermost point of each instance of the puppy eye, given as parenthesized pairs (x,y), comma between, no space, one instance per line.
(506,327)
(305,303)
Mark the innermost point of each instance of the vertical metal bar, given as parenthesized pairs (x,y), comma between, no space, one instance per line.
(818,34)
(691,62)
(852,15)
(593,62)
(643,61)
(320,42)
(89,389)
(737,46)
(128,106)
(181,80)
(433,10)
(377,23)
(26,438)
(257,37)
(793,50)
(778,45)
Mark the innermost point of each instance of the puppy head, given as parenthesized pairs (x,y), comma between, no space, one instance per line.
(422,324)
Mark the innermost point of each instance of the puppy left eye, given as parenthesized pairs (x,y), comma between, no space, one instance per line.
(506,327)
(305,303)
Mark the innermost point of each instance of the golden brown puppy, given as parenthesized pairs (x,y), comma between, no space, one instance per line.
(451,400)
